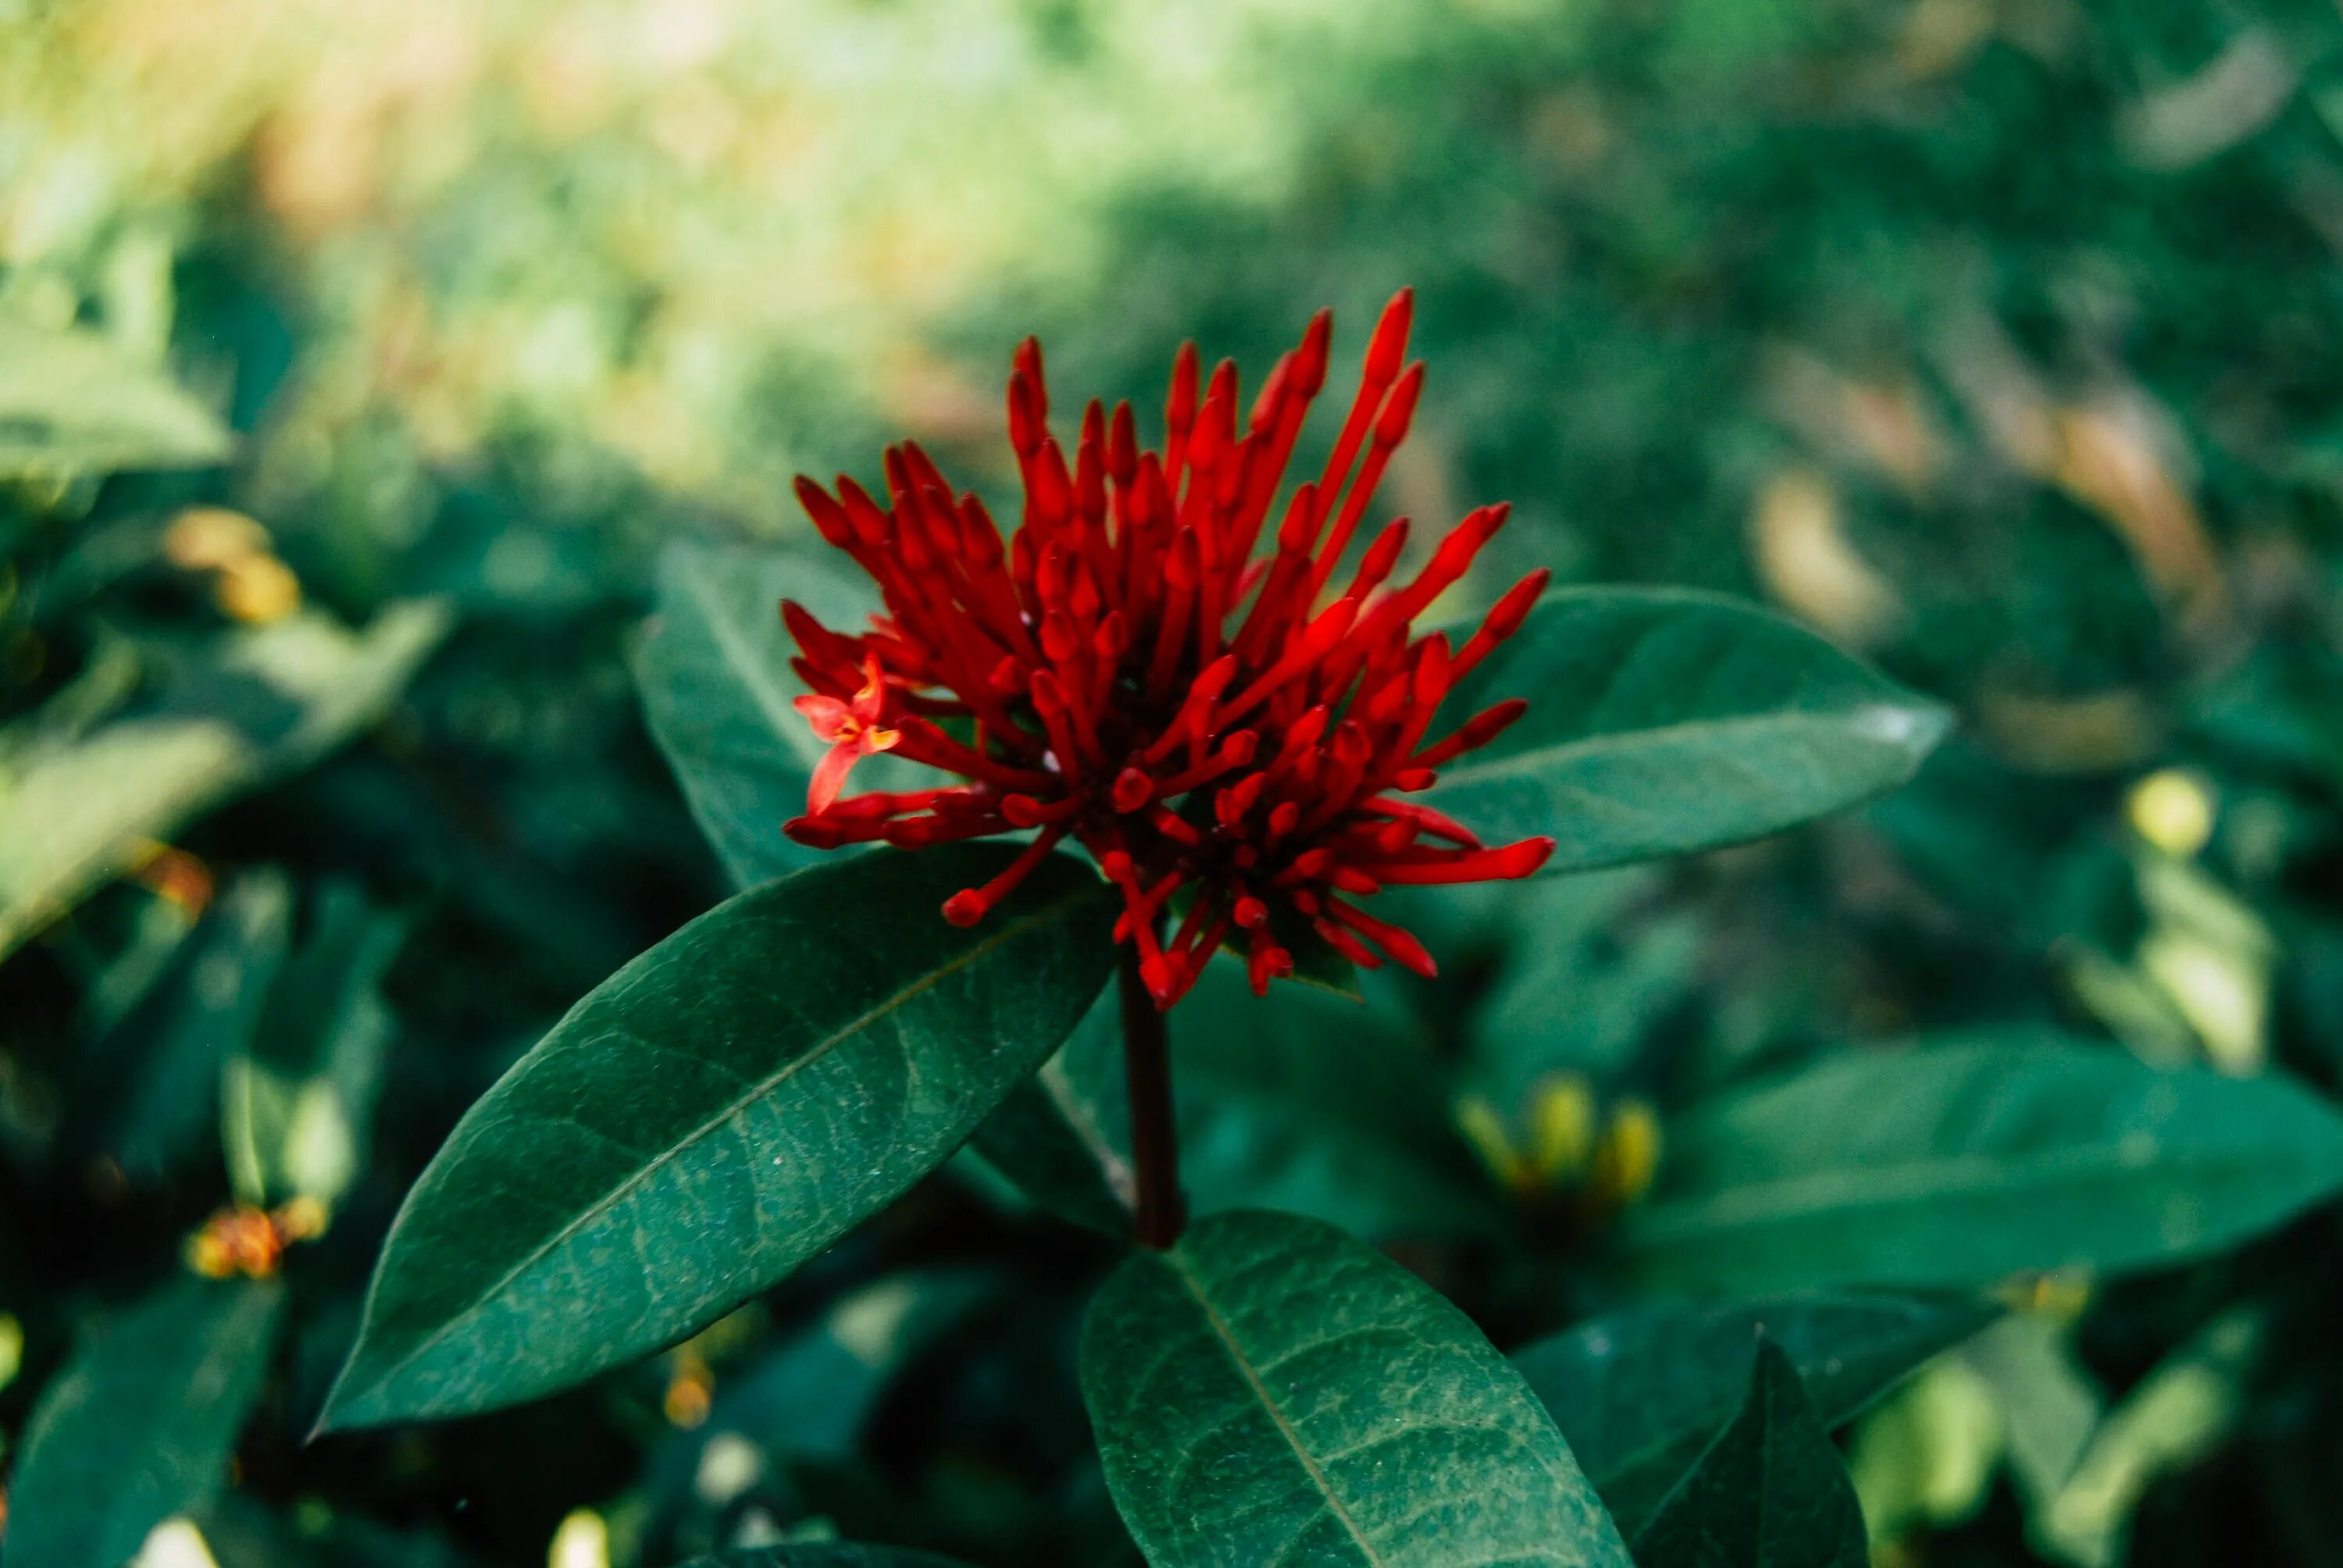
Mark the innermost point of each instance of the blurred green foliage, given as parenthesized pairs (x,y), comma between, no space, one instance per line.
(356,361)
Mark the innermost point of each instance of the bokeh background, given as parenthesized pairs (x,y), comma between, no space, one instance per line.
(1996,338)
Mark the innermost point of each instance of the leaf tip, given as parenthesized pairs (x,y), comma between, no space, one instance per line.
(1914,724)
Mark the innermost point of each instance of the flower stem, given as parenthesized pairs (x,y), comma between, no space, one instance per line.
(1154,1142)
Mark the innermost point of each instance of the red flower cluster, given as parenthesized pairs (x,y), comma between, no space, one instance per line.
(1230,743)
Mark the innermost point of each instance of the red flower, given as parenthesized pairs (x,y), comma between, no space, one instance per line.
(852,729)
(1228,741)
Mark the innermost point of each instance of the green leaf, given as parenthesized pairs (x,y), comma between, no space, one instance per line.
(717,690)
(810,1396)
(1298,1100)
(72,403)
(1063,1138)
(1640,1393)
(1959,1164)
(295,1108)
(206,1012)
(141,1423)
(1770,1493)
(1269,1391)
(825,1555)
(714,1114)
(1664,721)
(1307,1103)
(263,703)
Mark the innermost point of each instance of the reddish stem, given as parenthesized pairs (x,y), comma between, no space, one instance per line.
(1154,1142)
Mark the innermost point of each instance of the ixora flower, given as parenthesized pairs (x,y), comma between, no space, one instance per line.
(1232,734)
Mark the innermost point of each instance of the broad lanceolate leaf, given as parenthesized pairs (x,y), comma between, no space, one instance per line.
(72,403)
(1957,1164)
(140,1423)
(1271,1392)
(717,1112)
(1770,1493)
(717,691)
(1640,1393)
(1664,721)
(265,702)
(825,1555)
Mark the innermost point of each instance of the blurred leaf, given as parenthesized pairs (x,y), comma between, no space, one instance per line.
(72,403)
(809,1397)
(1298,1100)
(1640,1392)
(1269,1390)
(207,1012)
(826,1554)
(718,1112)
(1958,1164)
(2048,1407)
(2181,1412)
(262,703)
(1770,1493)
(1662,723)
(295,1107)
(141,1423)
(1580,989)
(717,690)
(1926,1456)
(1309,1104)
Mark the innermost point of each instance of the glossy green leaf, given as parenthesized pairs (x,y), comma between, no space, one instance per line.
(1770,1493)
(715,1114)
(1664,721)
(140,1424)
(1957,1164)
(71,403)
(826,1554)
(1269,1391)
(1640,1392)
(261,703)
(717,690)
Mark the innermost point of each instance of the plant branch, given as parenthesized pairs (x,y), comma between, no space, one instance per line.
(1154,1141)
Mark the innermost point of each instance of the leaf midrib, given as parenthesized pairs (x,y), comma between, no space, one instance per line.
(1243,1364)
(753,1093)
(1572,751)
(1962,1176)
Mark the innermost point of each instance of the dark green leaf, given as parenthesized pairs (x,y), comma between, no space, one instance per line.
(1298,1100)
(1063,1138)
(72,403)
(714,1114)
(1640,1393)
(825,1555)
(140,1424)
(265,702)
(1307,1103)
(1770,1493)
(206,1012)
(717,690)
(1663,721)
(295,1107)
(1271,1391)
(1958,1164)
